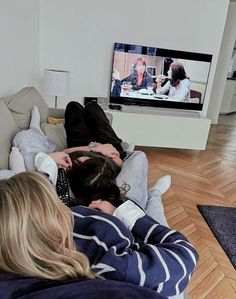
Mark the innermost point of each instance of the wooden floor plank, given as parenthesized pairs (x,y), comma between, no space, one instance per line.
(200,177)
(202,273)
(210,283)
(222,291)
(204,255)
(232,283)
(176,219)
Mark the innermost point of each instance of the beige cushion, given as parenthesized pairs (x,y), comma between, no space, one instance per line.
(55,121)
(21,104)
(8,129)
(57,133)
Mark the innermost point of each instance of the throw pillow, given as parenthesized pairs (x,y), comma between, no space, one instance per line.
(55,121)
(21,104)
(57,133)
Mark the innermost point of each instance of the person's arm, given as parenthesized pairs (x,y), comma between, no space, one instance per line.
(107,150)
(183,91)
(45,164)
(164,89)
(76,149)
(162,260)
(62,159)
(118,161)
(49,164)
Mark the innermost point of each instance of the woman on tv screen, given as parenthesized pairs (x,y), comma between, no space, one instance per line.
(178,87)
(139,78)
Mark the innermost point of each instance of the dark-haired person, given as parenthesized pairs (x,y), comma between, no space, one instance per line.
(140,78)
(93,165)
(39,258)
(178,87)
(95,151)
(93,177)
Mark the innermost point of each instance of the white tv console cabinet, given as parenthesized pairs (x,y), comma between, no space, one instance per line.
(173,130)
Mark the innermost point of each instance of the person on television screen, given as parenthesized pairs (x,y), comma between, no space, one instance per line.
(140,78)
(178,85)
(115,83)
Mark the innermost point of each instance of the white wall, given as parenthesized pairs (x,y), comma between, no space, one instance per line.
(78,35)
(232,67)
(223,63)
(19,45)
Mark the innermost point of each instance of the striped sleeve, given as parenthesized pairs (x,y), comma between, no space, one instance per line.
(153,256)
(166,259)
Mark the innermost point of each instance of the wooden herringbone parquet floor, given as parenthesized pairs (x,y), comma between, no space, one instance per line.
(201,177)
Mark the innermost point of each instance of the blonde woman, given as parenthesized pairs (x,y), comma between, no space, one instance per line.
(36,241)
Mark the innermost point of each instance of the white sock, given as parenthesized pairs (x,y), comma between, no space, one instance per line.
(163,184)
(35,120)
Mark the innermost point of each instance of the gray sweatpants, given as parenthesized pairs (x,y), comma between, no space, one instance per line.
(134,172)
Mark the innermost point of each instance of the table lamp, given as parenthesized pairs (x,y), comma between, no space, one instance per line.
(57,83)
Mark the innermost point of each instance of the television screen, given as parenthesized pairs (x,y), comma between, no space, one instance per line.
(158,77)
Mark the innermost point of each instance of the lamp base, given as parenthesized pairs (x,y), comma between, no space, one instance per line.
(55,101)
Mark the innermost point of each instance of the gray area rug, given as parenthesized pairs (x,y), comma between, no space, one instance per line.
(222,222)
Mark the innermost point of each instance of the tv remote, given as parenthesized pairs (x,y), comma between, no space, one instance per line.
(62,186)
(115,107)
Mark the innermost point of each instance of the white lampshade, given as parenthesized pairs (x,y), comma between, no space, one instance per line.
(57,83)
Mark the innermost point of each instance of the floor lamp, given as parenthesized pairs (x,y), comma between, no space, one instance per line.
(57,83)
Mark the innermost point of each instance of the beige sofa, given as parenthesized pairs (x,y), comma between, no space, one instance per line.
(15,114)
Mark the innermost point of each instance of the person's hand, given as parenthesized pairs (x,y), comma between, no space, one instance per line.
(103,205)
(160,79)
(107,150)
(62,159)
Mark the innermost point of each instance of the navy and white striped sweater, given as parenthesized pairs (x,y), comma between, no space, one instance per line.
(152,255)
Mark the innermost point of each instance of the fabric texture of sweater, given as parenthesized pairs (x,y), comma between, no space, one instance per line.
(150,255)
(18,287)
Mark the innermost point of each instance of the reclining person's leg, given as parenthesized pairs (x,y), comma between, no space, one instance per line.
(134,173)
(100,127)
(76,126)
(154,207)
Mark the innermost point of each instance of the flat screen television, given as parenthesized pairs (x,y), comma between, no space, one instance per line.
(147,76)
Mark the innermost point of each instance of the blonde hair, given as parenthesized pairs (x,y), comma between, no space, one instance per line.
(36,231)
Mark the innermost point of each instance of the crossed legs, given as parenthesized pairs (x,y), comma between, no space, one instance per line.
(89,123)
